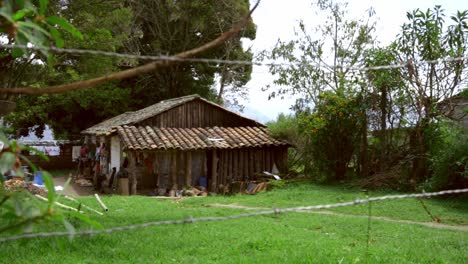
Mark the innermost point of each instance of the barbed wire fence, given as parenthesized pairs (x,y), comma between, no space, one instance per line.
(223,61)
(192,220)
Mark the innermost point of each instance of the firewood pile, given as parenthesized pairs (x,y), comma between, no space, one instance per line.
(251,187)
(19,183)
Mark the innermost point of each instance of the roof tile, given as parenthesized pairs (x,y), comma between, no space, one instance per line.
(154,138)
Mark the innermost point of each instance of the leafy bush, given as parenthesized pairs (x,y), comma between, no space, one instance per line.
(448,157)
(332,131)
(286,127)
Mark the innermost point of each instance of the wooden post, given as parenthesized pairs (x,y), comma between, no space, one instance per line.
(214,182)
(188,168)
(174,170)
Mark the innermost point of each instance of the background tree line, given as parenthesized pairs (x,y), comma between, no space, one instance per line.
(382,128)
(155,27)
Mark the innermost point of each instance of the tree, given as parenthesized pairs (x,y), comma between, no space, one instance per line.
(23,22)
(388,106)
(168,27)
(320,63)
(136,34)
(320,66)
(68,114)
(427,37)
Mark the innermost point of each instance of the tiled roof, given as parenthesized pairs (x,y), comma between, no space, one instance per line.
(131,118)
(154,138)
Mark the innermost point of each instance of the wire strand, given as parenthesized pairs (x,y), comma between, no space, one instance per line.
(233,62)
(232,217)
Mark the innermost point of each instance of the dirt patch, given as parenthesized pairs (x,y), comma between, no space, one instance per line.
(236,206)
(324,212)
(73,189)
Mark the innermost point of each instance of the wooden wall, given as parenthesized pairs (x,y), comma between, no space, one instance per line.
(245,164)
(179,169)
(62,162)
(197,114)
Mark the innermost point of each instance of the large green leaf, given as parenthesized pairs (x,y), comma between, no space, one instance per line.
(56,36)
(55,20)
(42,6)
(20,14)
(49,183)
(6,162)
(31,25)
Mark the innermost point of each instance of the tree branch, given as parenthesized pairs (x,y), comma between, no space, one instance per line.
(149,67)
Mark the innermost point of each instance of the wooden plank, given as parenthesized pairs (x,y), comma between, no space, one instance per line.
(173,183)
(226,165)
(258,160)
(157,171)
(188,169)
(240,165)
(251,164)
(214,176)
(235,165)
(268,159)
(222,165)
(246,164)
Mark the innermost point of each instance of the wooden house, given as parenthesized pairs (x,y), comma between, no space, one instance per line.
(189,141)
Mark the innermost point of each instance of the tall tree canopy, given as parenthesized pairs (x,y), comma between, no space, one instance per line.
(137,27)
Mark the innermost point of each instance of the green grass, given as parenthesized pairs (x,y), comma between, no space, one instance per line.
(284,238)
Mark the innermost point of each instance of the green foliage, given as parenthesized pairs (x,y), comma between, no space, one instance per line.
(286,127)
(317,56)
(24,22)
(138,27)
(332,130)
(68,114)
(276,184)
(171,27)
(449,157)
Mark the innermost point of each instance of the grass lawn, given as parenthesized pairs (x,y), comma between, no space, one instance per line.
(284,238)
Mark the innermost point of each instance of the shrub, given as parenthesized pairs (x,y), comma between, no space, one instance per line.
(332,131)
(448,157)
(286,127)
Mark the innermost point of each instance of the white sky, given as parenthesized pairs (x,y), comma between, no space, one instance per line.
(277,19)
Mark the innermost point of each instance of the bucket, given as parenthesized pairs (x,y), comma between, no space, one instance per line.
(202,182)
(38,178)
(123,186)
